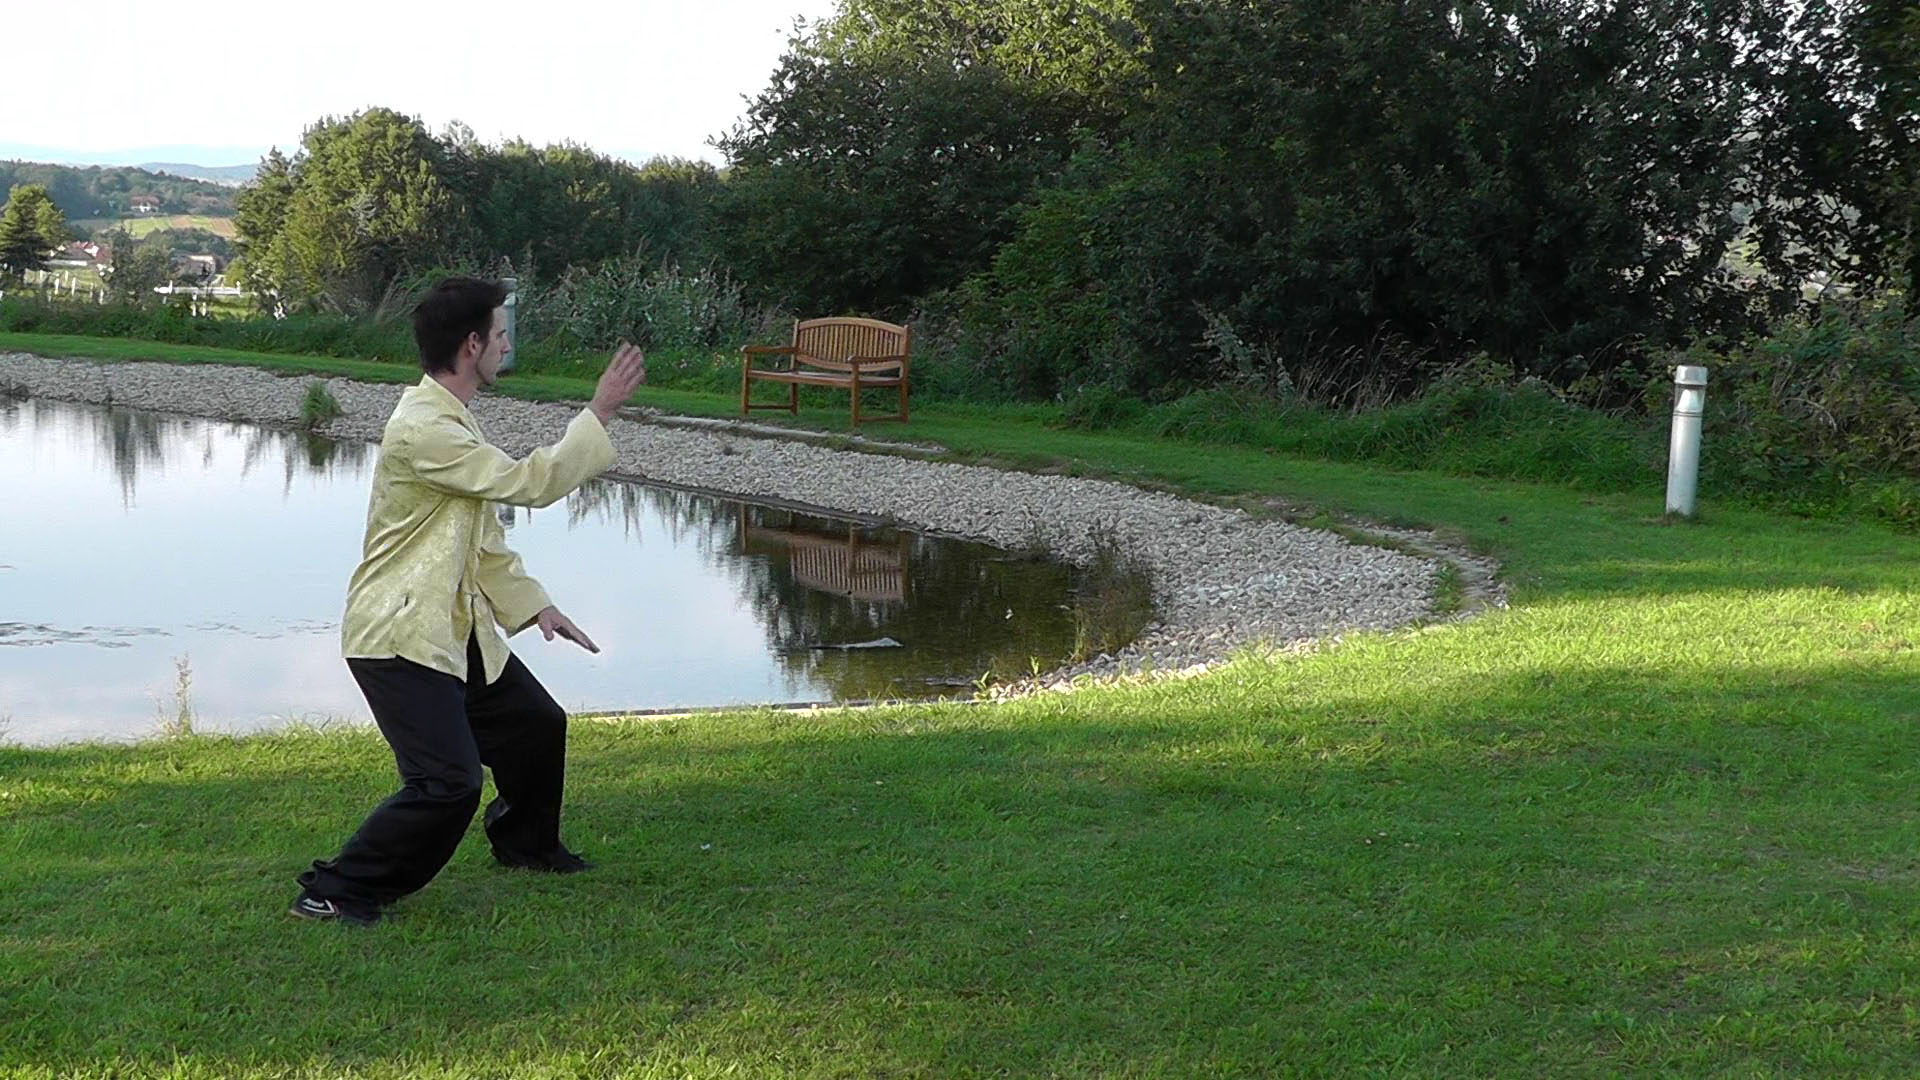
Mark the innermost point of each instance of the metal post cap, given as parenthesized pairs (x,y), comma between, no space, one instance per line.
(1689,375)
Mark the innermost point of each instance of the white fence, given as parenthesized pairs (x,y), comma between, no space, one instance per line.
(65,281)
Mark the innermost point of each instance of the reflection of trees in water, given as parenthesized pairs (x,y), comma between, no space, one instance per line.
(685,515)
(299,452)
(959,609)
(10,405)
(608,502)
(326,455)
(136,441)
(132,440)
(813,581)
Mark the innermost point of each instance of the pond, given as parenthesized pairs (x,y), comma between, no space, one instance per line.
(153,563)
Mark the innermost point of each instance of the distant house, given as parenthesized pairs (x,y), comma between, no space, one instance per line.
(78,253)
(144,204)
(196,267)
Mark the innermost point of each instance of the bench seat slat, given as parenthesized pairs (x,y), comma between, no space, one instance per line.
(824,378)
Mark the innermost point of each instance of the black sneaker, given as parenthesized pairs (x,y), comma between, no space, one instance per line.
(556,861)
(321,909)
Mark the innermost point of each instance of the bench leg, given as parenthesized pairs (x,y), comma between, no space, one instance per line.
(856,399)
(903,401)
(793,398)
(745,366)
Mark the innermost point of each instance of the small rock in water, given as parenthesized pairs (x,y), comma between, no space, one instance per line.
(876,643)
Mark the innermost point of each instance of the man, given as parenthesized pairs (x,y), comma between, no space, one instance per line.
(434,576)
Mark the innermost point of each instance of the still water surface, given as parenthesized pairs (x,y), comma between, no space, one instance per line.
(132,543)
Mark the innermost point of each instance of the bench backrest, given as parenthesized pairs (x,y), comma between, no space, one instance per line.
(828,342)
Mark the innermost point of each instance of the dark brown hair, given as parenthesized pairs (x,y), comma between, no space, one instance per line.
(455,308)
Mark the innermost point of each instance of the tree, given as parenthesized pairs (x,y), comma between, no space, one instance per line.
(96,191)
(372,200)
(566,205)
(138,267)
(361,204)
(30,226)
(51,224)
(1557,184)
(1888,35)
(260,215)
(881,162)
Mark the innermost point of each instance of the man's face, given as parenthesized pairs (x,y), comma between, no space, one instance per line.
(494,352)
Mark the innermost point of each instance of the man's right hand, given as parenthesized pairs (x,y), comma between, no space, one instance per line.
(626,371)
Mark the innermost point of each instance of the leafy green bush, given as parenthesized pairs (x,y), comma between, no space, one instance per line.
(1058,310)
(1822,413)
(955,351)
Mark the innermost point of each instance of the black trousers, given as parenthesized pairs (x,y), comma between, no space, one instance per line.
(442,731)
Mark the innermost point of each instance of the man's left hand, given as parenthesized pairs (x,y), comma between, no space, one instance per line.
(551,622)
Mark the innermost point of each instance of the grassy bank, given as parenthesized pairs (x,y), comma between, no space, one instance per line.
(1657,817)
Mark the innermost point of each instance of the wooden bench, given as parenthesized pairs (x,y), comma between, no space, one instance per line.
(846,354)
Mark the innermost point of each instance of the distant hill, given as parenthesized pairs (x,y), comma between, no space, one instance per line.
(224,175)
(108,191)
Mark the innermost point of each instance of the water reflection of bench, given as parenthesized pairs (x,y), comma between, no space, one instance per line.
(863,569)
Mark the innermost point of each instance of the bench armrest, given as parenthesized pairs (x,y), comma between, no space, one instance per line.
(748,352)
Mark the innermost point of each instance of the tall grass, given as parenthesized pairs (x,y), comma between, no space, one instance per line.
(318,406)
(1112,598)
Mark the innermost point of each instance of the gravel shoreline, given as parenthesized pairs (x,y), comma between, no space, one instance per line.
(1224,580)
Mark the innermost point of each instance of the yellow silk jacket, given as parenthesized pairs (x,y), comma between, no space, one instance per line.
(434,566)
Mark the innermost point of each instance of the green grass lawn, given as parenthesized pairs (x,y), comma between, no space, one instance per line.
(1658,817)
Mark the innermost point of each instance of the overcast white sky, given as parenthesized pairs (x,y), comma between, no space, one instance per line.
(632,79)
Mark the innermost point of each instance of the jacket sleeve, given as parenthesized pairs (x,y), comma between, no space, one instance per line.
(516,598)
(446,455)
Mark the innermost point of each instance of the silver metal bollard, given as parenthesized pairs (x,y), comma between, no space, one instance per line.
(513,300)
(1683,452)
